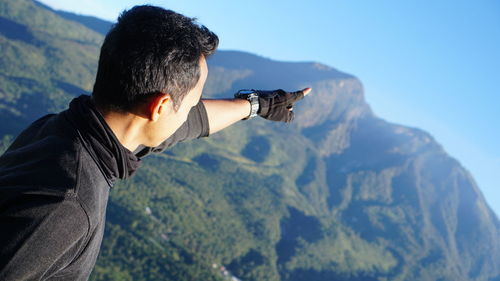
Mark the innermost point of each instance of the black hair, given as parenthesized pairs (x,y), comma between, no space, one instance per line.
(150,50)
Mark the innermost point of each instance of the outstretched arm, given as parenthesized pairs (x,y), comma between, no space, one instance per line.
(225,112)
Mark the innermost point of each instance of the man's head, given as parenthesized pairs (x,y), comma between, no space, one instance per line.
(149,51)
(151,54)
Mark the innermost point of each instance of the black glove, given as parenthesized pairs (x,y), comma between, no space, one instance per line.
(277,105)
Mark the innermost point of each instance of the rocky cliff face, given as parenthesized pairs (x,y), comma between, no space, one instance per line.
(338,195)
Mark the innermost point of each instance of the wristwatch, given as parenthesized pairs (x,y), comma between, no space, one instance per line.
(251,96)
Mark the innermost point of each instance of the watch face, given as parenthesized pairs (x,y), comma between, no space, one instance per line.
(245,92)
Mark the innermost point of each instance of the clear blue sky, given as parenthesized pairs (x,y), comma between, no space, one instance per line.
(429,64)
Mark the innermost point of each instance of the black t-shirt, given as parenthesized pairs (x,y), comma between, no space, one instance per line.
(54,185)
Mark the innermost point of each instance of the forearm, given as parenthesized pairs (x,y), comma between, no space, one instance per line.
(224,113)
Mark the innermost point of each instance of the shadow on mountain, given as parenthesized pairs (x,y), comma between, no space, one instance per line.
(358,217)
(15,31)
(318,132)
(245,264)
(307,175)
(19,111)
(257,149)
(293,229)
(208,162)
(327,275)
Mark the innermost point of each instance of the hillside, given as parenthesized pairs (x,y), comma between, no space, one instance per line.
(340,194)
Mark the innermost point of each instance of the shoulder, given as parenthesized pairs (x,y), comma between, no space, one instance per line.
(46,157)
(47,162)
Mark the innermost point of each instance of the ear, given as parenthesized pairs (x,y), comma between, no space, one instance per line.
(159,105)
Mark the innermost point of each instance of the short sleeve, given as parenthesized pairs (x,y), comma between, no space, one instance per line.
(196,126)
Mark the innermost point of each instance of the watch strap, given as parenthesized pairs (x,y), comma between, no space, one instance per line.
(253,98)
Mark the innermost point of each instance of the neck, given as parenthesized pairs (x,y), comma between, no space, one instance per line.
(125,126)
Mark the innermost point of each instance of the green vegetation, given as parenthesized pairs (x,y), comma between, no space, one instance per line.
(339,195)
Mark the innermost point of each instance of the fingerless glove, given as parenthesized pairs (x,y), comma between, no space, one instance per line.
(277,105)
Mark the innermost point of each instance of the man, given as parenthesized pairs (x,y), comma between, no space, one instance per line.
(55,177)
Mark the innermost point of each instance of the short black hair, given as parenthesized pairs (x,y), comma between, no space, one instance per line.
(150,50)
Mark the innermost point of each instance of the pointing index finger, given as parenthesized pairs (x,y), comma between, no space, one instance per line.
(306,91)
(298,95)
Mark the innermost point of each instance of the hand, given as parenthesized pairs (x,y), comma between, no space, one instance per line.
(277,105)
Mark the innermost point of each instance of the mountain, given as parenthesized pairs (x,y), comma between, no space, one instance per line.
(339,194)
(96,24)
